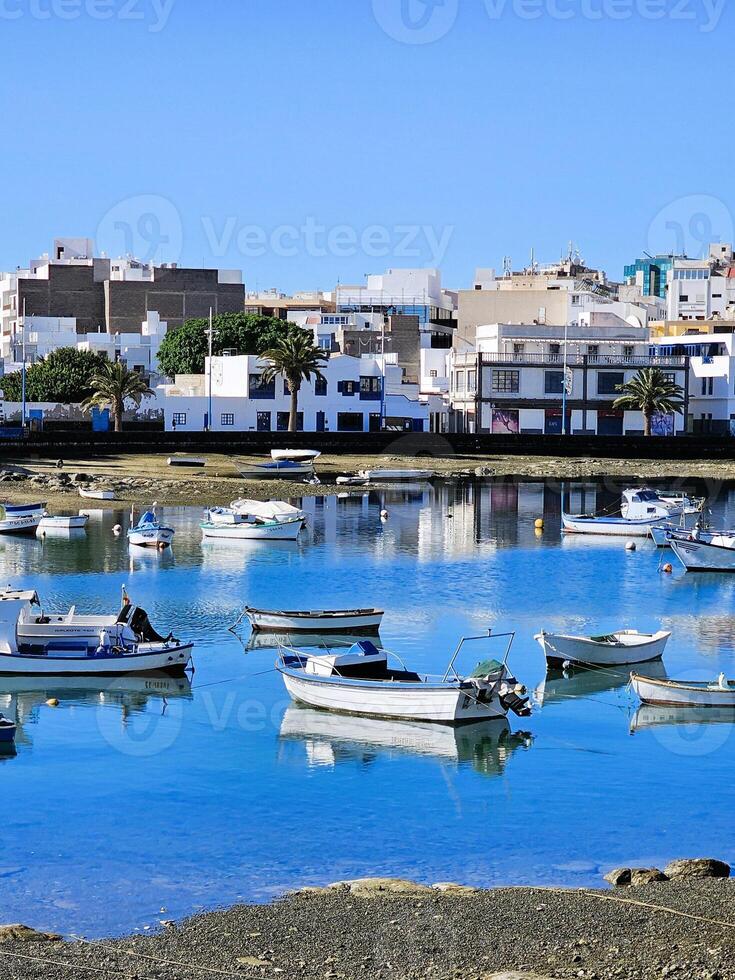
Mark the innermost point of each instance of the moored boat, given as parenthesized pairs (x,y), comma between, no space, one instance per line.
(272,510)
(257,529)
(21,518)
(8,729)
(97,493)
(716,555)
(611,650)
(640,510)
(149,532)
(315,621)
(63,522)
(360,681)
(697,694)
(191,461)
(394,475)
(275,469)
(295,455)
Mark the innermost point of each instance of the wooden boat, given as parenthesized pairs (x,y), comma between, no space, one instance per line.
(98,493)
(315,621)
(271,510)
(295,455)
(359,681)
(21,518)
(192,461)
(717,555)
(394,476)
(63,522)
(640,510)
(275,470)
(149,532)
(256,529)
(695,694)
(612,650)
(31,644)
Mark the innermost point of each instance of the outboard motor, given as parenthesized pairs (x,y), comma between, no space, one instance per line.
(513,697)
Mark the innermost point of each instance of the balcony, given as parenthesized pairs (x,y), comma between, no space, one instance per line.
(585,360)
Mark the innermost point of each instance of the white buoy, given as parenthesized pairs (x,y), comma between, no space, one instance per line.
(384,515)
(117,530)
(631,546)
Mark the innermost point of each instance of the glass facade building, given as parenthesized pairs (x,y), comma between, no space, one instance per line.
(655,269)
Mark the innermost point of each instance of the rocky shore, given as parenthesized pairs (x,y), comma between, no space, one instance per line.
(391,929)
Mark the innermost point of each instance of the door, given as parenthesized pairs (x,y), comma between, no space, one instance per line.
(320,418)
(264,421)
(375,422)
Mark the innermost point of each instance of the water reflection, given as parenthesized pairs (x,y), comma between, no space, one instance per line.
(562,685)
(658,716)
(331,739)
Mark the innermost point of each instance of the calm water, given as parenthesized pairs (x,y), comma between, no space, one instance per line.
(138,796)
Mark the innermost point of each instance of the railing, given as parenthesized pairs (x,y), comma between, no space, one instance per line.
(580,360)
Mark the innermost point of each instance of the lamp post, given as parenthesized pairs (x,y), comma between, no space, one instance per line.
(564,387)
(23,371)
(209,412)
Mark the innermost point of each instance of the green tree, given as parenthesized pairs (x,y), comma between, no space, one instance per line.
(651,392)
(112,386)
(63,376)
(296,357)
(184,350)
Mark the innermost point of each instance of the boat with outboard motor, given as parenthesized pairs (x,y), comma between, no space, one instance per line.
(359,680)
(640,510)
(21,518)
(149,532)
(32,642)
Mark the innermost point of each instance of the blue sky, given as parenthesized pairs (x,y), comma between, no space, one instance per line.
(306,141)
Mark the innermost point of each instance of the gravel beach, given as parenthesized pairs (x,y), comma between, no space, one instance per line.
(419,932)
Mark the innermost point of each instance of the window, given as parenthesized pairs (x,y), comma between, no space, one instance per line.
(282,420)
(554,351)
(670,377)
(553,382)
(264,421)
(178,418)
(628,350)
(258,389)
(347,387)
(370,388)
(472,380)
(608,382)
(227,418)
(349,421)
(683,299)
(518,350)
(593,350)
(433,374)
(459,380)
(506,382)
(320,386)
(575,299)
(704,386)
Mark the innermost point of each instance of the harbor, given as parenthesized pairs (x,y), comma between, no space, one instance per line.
(590,781)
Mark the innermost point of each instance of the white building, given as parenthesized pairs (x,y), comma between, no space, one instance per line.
(702,289)
(515,381)
(711,379)
(354,397)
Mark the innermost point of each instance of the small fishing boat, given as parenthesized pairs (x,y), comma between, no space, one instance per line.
(696,694)
(255,529)
(44,645)
(315,621)
(275,470)
(191,461)
(640,510)
(351,481)
(97,493)
(149,532)
(62,522)
(271,510)
(612,650)
(21,518)
(394,476)
(360,681)
(715,555)
(8,729)
(295,455)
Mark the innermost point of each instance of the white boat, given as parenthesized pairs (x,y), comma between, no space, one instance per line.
(45,645)
(639,511)
(63,522)
(256,529)
(295,455)
(21,518)
(193,461)
(717,555)
(612,650)
(272,510)
(149,532)
(696,694)
(99,493)
(351,481)
(682,500)
(315,621)
(393,475)
(275,470)
(359,681)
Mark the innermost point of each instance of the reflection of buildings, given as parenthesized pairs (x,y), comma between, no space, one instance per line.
(331,739)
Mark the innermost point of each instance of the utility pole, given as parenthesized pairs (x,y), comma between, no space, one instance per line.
(209,413)
(23,372)
(564,388)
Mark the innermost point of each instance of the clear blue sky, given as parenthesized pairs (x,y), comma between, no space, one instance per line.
(305,141)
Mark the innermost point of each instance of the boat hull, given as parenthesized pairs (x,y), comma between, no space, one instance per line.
(698,556)
(171,660)
(615,526)
(582,652)
(276,470)
(275,531)
(97,494)
(395,476)
(338,621)
(63,523)
(20,525)
(160,537)
(295,455)
(446,703)
(681,694)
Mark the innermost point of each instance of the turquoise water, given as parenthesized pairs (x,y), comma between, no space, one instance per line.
(137,796)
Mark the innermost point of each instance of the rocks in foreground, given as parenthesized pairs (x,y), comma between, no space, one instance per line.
(685,868)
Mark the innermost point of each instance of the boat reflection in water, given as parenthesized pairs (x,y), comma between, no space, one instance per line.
(330,739)
(579,682)
(650,716)
(306,640)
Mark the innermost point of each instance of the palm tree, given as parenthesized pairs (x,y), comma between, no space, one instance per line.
(112,386)
(651,392)
(297,358)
